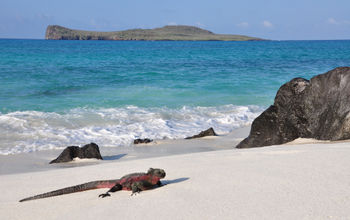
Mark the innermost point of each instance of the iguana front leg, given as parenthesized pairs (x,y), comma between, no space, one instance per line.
(115,188)
(139,186)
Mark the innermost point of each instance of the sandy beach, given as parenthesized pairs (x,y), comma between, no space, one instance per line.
(295,181)
(268,89)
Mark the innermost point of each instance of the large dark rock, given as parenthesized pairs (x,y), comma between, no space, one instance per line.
(208,132)
(318,109)
(87,151)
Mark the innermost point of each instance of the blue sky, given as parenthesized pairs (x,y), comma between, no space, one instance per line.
(272,19)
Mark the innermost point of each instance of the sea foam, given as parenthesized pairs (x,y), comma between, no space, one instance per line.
(28,131)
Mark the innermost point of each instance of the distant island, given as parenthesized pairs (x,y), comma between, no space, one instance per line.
(169,32)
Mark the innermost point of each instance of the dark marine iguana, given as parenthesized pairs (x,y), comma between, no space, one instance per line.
(135,182)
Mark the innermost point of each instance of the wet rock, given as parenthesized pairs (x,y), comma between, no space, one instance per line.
(142,141)
(319,108)
(88,151)
(208,132)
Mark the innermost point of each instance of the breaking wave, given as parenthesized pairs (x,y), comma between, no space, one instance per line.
(28,131)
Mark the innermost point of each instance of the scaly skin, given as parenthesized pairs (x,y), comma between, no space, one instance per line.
(135,182)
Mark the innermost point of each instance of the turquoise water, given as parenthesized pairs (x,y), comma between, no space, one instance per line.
(58,93)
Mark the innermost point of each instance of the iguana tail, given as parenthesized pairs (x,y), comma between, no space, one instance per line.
(78,188)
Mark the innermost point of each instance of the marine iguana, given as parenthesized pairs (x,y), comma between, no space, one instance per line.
(135,182)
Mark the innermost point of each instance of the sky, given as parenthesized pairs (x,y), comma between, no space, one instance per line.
(269,19)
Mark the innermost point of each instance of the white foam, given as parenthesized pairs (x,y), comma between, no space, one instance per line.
(32,131)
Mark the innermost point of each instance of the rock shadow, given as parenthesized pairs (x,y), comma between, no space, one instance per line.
(114,157)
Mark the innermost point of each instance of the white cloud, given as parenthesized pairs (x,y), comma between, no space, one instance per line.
(93,22)
(45,17)
(198,24)
(243,24)
(332,21)
(172,23)
(267,24)
(98,24)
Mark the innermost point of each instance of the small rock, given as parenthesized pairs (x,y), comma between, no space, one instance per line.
(88,151)
(209,132)
(142,141)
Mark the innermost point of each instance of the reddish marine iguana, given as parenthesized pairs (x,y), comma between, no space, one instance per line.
(136,182)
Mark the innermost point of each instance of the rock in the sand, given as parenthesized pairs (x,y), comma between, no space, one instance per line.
(319,108)
(87,151)
(142,141)
(208,132)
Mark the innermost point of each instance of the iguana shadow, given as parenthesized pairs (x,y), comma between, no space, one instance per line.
(178,180)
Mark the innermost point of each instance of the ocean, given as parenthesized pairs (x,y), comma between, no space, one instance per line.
(55,94)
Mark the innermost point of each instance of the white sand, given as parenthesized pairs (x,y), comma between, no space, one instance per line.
(310,181)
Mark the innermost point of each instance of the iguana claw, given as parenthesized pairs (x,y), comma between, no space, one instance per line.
(135,193)
(104,195)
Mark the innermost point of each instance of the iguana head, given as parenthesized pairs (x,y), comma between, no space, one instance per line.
(156,172)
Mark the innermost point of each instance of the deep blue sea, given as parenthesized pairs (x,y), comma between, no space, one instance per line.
(59,93)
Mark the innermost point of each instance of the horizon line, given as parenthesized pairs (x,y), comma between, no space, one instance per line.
(15,38)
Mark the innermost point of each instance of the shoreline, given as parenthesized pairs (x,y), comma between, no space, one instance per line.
(303,181)
(39,160)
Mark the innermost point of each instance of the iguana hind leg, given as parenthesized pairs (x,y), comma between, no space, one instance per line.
(115,188)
